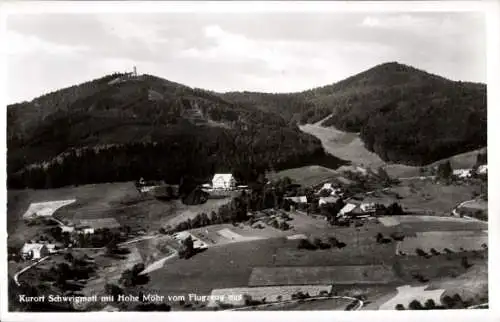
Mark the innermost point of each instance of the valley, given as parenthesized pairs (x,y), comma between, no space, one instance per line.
(343,197)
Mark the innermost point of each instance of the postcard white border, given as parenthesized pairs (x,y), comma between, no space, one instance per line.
(490,8)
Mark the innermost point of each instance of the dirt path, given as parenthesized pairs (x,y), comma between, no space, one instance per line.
(16,276)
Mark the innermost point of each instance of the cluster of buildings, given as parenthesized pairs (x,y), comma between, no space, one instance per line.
(180,237)
(223,182)
(468,173)
(34,250)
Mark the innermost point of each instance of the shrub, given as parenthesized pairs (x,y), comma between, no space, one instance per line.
(400,307)
(415,305)
(430,304)
(306,244)
(421,252)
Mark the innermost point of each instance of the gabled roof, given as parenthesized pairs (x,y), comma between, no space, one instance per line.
(330,199)
(327,186)
(301,199)
(35,247)
(223,176)
(348,208)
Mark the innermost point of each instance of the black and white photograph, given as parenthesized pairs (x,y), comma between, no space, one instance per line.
(246,160)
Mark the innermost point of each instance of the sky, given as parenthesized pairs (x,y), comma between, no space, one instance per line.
(268,52)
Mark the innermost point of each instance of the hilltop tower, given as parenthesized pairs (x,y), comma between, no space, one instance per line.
(135,72)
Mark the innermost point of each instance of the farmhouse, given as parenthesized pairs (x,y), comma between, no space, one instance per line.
(330,187)
(300,199)
(197,243)
(223,181)
(368,207)
(348,208)
(482,169)
(327,200)
(462,173)
(34,251)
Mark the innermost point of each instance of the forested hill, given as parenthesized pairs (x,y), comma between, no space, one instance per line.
(404,114)
(122,127)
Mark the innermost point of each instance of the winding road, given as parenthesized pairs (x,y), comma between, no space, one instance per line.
(16,276)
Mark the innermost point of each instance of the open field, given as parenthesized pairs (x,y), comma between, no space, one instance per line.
(337,304)
(48,208)
(408,293)
(154,249)
(363,254)
(92,201)
(439,240)
(269,293)
(472,285)
(110,270)
(348,146)
(227,266)
(120,201)
(413,223)
(437,267)
(359,274)
(218,235)
(473,208)
(434,223)
(311,175)
(425,196)
(184,212)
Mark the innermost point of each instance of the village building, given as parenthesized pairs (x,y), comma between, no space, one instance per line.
(327,200)
(482,169)
(224,181)
(86,230)
(368,207)
(299,199)
(462,173)
(34,251)
(197,243)
(67,228)
(334,191)
(348,208)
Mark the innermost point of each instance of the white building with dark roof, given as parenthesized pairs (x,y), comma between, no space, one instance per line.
(327,200)
(34,251)
(299,199)
(223,181)
(348,208)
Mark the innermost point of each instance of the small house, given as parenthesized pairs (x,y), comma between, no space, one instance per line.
(327,200)
(299,199)
(86,230)
(67,228)
(348,208)
(482,169)
(462,173)
(368,207)
(223,181)
(34,251)
(327,186)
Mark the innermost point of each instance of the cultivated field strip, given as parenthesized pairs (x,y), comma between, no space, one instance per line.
(455,241)
(365,274)
(269,293)
(47,208)
(407,293)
